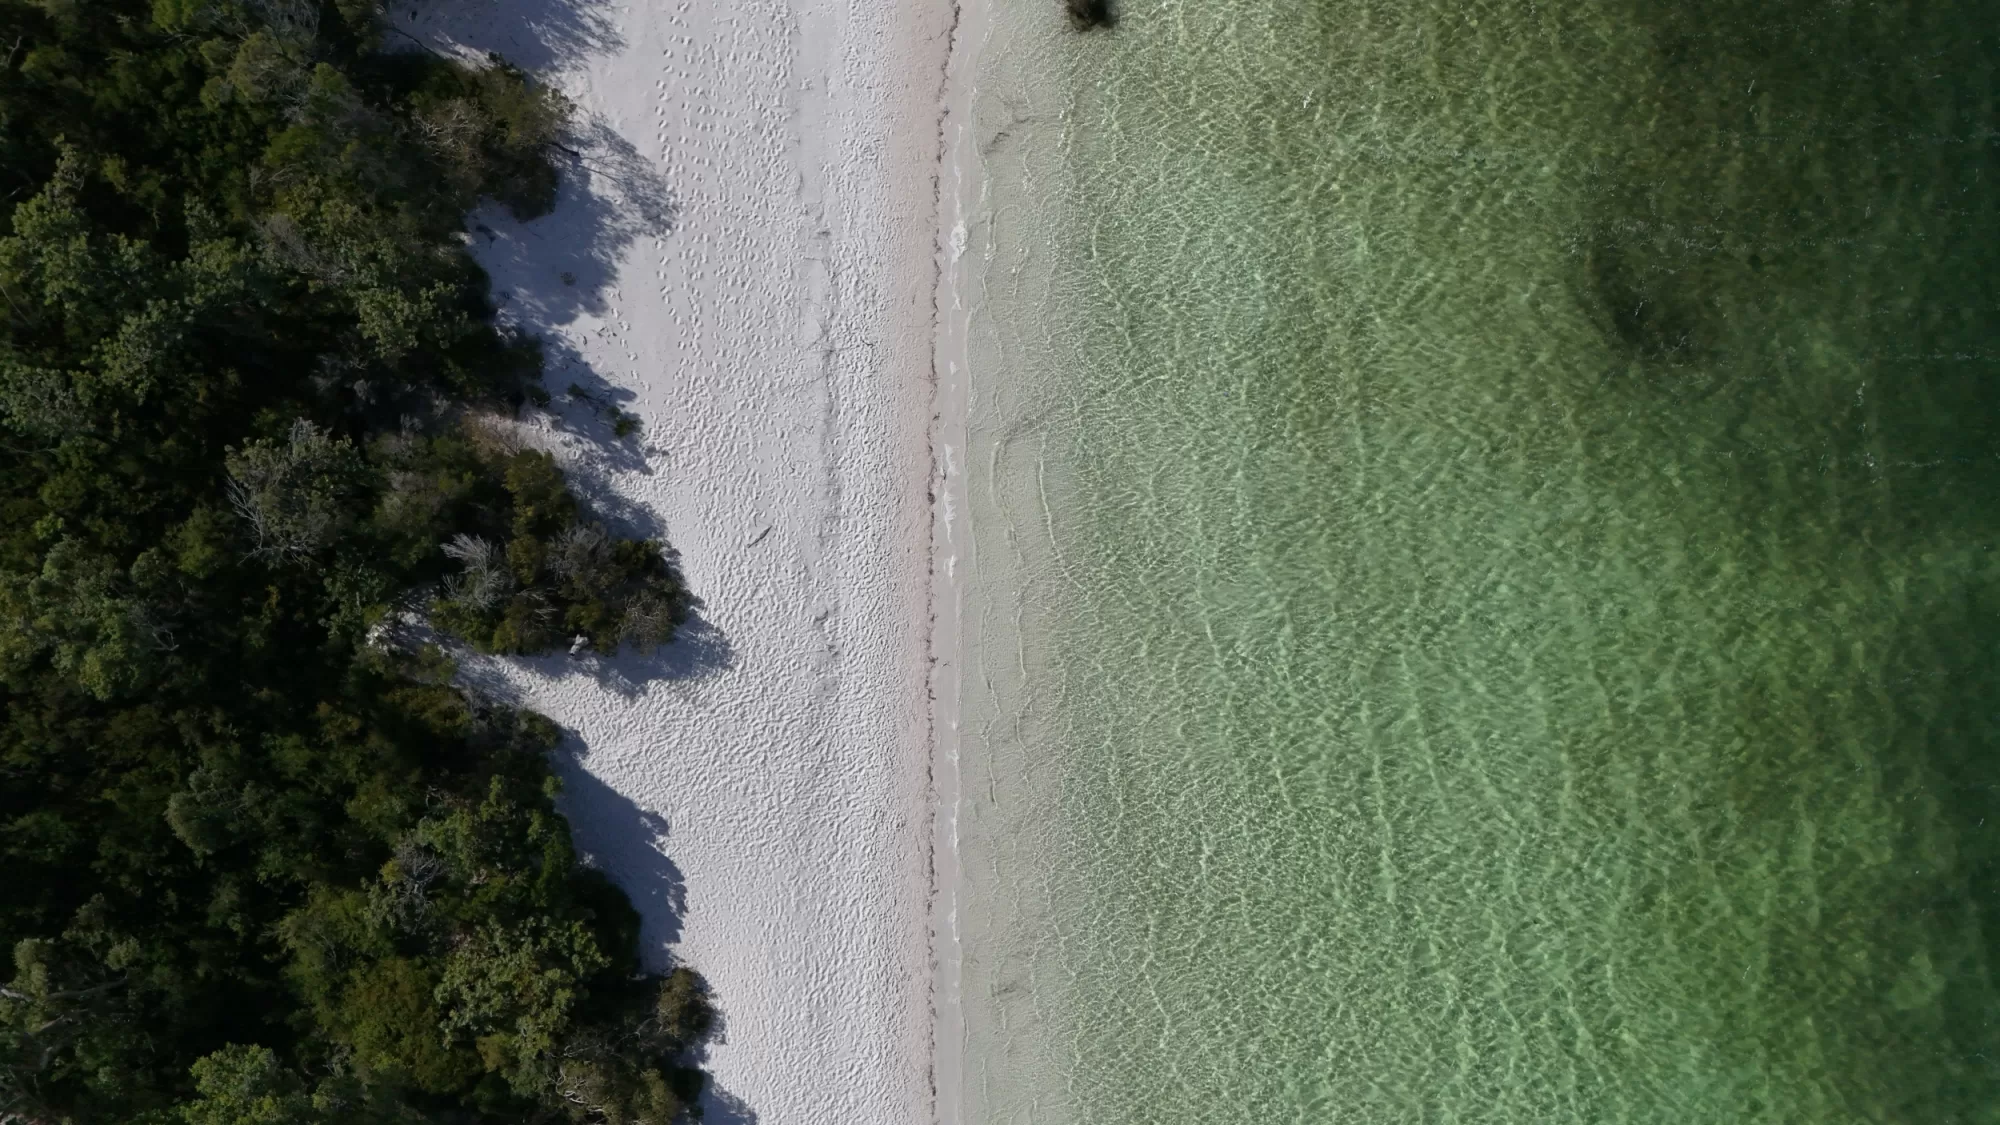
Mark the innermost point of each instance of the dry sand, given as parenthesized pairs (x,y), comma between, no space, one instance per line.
(744,258)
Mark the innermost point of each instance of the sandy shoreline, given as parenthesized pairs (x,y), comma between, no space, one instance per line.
(745,259)
(958,192)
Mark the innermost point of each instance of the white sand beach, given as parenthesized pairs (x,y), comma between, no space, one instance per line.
(744,259)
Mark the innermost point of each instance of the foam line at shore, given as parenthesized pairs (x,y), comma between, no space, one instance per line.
(951,551)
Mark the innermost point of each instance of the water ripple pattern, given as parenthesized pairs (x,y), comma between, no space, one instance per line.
(1486,593)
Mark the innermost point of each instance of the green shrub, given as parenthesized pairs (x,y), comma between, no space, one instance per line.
(265,862)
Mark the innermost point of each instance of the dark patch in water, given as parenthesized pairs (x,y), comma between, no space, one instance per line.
(1646,317)
(1087,14)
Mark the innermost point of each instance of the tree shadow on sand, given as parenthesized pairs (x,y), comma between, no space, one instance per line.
(584,404)
(537,35)
(720,1107)
(547,274)
(627,842)
(548,271)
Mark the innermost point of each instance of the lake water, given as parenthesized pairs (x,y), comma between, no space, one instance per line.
(1486,606)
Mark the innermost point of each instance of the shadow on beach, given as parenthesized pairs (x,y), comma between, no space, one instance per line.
(717,1105)
(547,275)
(585,404)
(720,1107)
(547,271)
(628,843)
(537,35)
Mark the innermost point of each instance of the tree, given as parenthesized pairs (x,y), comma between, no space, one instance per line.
(246,1085)
(266,862)
(294,496)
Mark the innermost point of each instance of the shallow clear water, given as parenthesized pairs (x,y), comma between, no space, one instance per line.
(1492,611)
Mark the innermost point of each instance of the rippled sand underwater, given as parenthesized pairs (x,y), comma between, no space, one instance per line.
(1500,526)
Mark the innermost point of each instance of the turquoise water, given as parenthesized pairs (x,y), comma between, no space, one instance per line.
(1500,519)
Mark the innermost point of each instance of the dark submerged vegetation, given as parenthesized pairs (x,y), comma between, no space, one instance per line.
(265,862)
(1087,14)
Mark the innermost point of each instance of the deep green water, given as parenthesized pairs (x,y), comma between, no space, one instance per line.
(1521,604)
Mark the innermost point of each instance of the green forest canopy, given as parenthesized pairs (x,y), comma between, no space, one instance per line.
(263,865)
